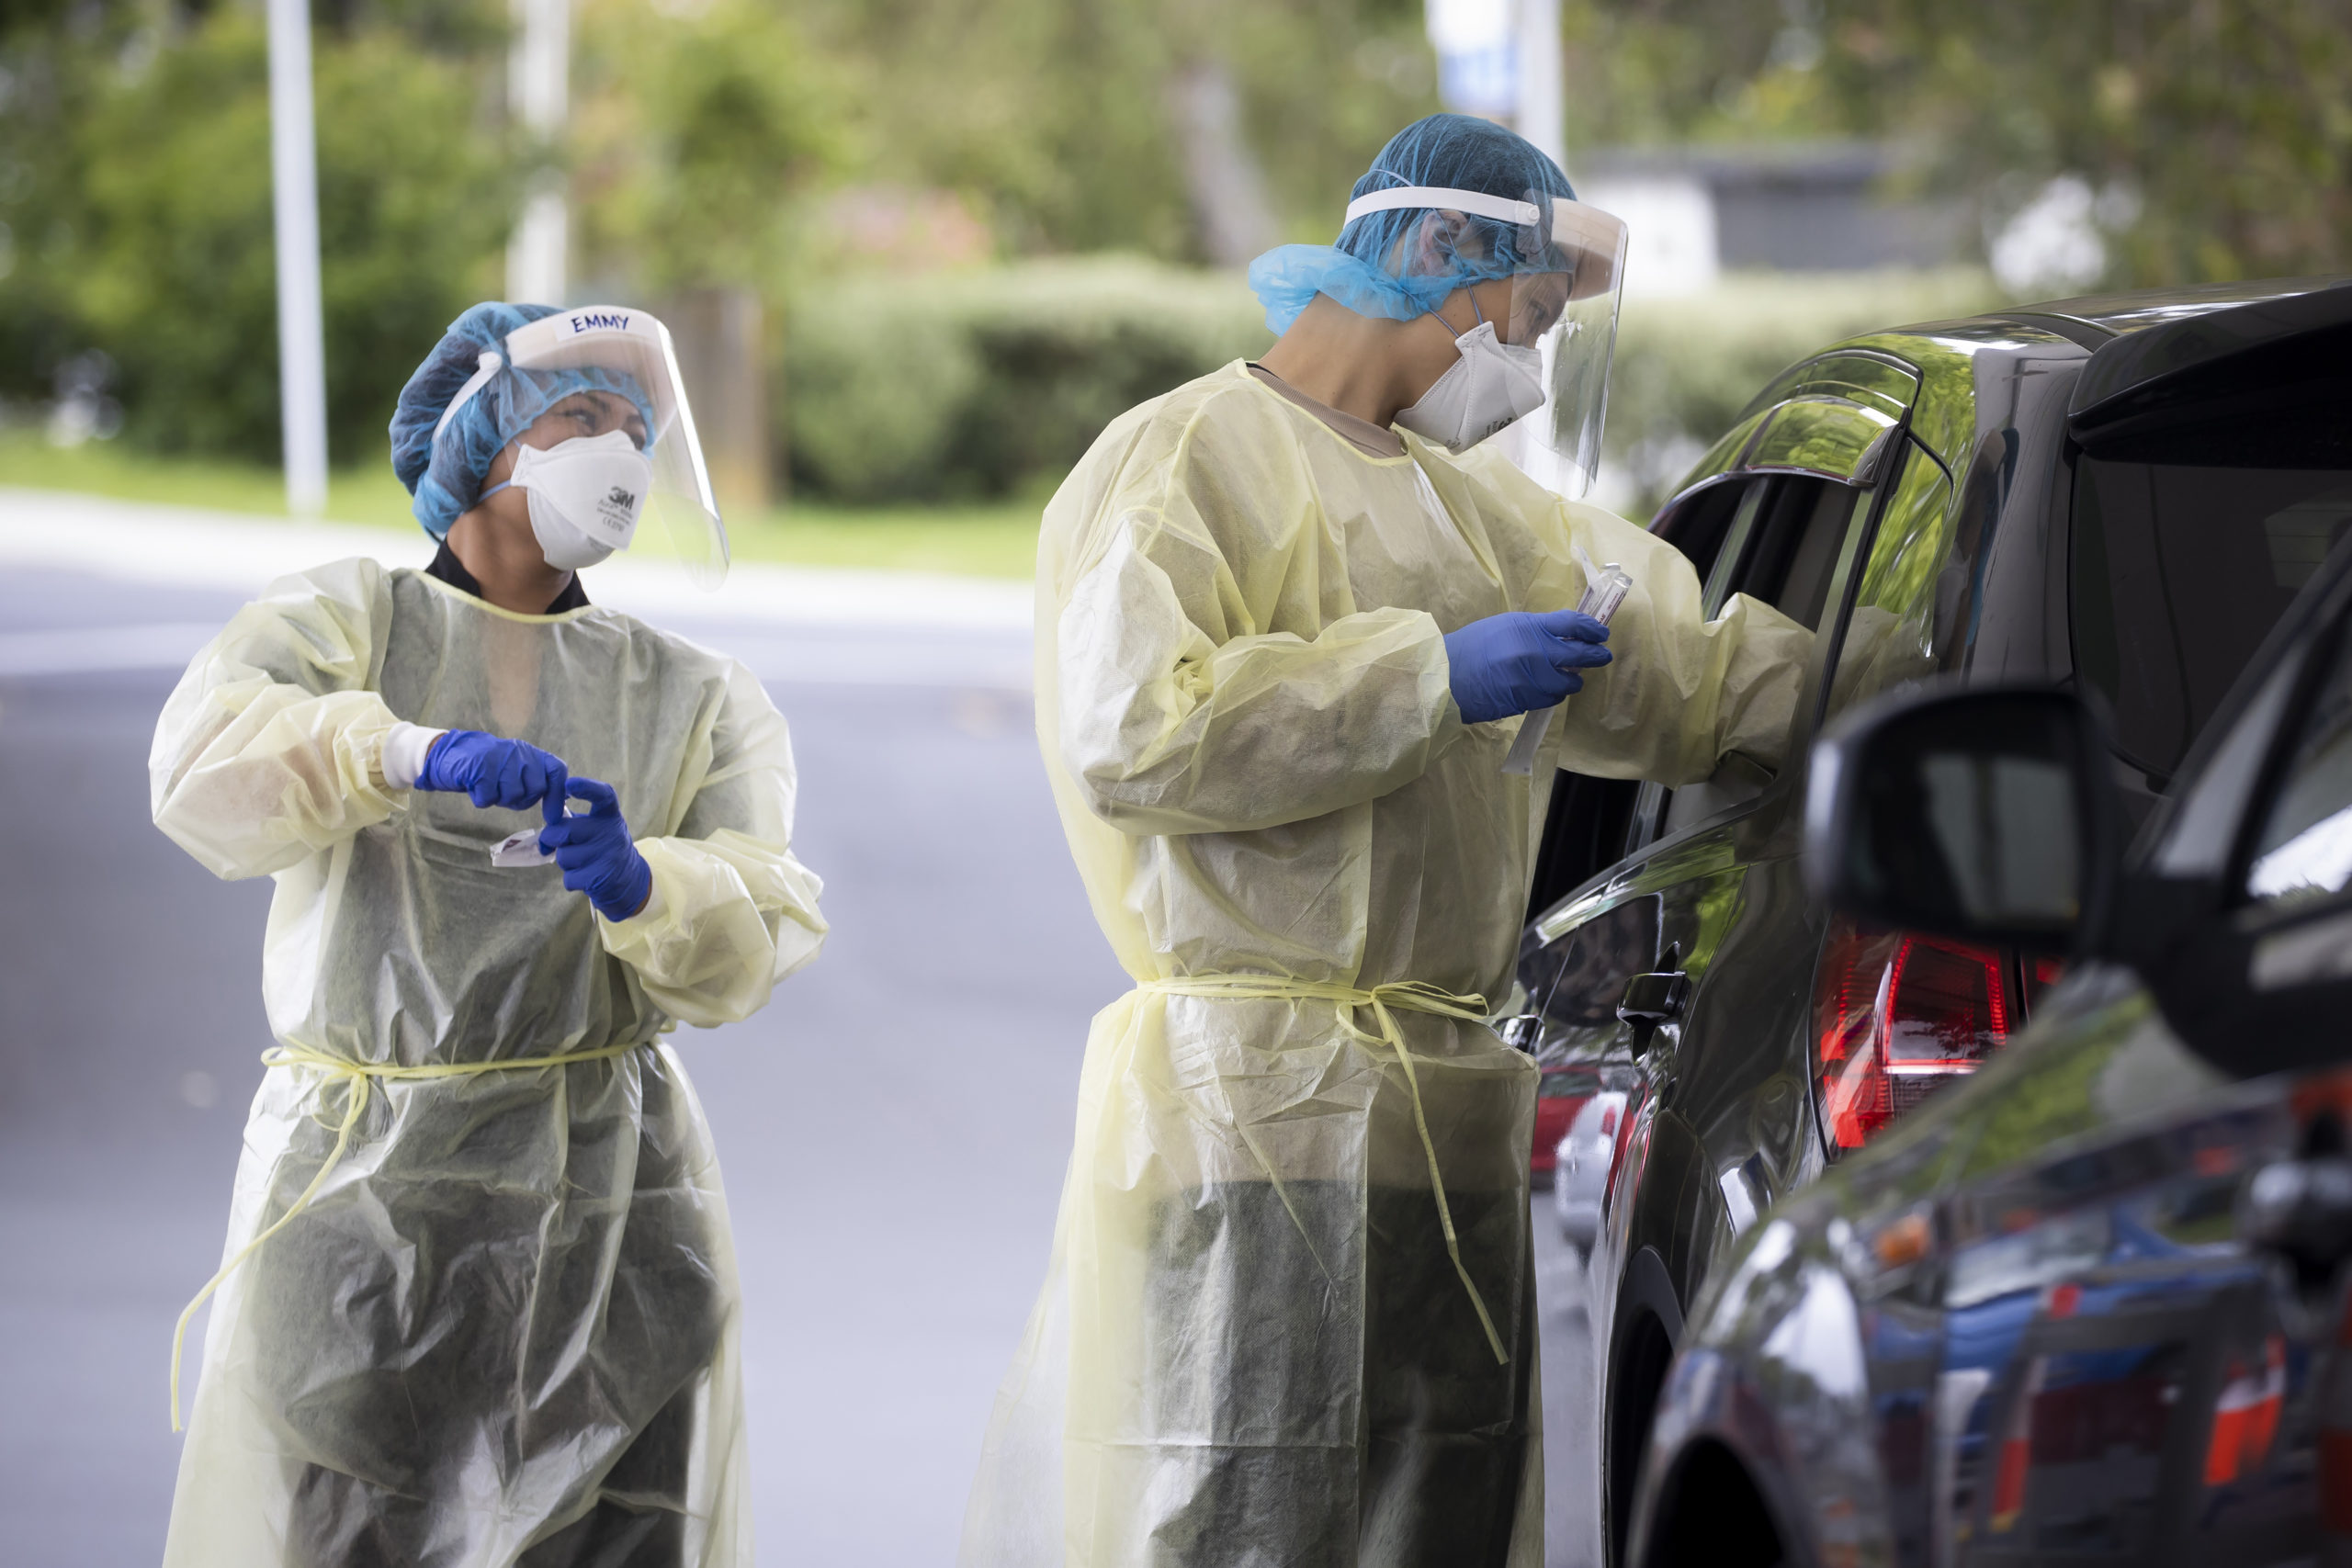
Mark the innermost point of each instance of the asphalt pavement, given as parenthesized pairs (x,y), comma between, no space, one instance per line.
(892,1129)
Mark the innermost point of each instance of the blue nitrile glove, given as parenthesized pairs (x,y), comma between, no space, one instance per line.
(1520,661)
(495,772)
(596,853)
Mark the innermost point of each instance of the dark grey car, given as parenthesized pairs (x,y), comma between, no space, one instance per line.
(2120,495)
(2090,1307)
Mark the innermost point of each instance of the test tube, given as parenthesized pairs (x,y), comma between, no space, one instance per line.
(1604,588)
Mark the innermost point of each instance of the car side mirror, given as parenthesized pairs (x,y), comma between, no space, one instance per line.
(1986,814)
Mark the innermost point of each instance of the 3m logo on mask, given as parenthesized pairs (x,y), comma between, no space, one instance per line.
(588,320)
(620,507)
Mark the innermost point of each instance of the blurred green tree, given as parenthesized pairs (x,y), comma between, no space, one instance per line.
(2219,131)
(695,126)
(1055,118)
(147,192)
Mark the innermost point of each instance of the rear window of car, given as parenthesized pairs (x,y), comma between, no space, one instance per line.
(2187,547)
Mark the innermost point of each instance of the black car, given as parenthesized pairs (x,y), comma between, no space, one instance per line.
(2090,1307)
(2119,496)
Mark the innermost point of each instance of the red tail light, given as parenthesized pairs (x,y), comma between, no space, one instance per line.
(1896,1018)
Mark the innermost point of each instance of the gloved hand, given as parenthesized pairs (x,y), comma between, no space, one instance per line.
(597,855)
(495,772)
(1520,661)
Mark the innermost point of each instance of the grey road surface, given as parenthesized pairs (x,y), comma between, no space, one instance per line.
(892,1129)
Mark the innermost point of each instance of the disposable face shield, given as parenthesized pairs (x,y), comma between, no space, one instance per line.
(601,373)
(1565,268)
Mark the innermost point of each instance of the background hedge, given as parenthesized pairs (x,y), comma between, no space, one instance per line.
(992,383)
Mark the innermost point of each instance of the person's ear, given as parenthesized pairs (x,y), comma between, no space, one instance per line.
(1436,240)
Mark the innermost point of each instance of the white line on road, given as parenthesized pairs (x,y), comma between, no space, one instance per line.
(78,651)
(193,548)
(845,658)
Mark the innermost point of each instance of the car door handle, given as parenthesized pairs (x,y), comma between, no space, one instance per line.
(1653,999)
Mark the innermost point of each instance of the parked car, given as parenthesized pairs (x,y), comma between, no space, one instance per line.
(2090,1307)
(1561,1095)
(1582,1162)
(2118,495)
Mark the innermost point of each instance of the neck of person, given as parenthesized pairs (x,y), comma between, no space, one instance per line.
(1366,366)
(505,558)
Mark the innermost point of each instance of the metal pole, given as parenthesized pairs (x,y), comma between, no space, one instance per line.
(538,83)
(1542,118)
(301,331)
(1541,113)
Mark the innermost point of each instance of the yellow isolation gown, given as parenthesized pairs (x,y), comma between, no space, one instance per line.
(1255,1345)
(505,1328)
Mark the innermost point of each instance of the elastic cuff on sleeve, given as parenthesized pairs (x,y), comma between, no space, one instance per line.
(404,749)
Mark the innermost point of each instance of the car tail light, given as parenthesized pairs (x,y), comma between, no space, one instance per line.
(1897,1017)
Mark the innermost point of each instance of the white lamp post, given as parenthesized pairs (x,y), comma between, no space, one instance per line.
(302,331)
(538,83)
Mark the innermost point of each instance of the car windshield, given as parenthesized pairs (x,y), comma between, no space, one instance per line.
(2188,546)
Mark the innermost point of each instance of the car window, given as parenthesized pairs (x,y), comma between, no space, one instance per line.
(1891,636)
(1782,548)
(1790,550)
(2184,559)
(1576,984)
(2305,850)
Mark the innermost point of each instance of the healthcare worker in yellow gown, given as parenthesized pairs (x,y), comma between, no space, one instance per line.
(491,1317)
(1289,617)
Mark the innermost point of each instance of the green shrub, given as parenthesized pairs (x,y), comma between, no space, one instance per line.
(991,383)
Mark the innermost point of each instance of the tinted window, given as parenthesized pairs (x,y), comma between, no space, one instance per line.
(2304,852)
(1904,593)
(1578,980)
(1792,552)
(1698,526)
(2181,570)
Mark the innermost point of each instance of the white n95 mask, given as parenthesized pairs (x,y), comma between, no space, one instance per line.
(1493,384)
(586,495)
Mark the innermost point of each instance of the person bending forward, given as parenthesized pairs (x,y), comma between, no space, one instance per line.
(1288,617)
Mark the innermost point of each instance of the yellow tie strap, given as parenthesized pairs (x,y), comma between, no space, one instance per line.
(1412,995)
(357,1076)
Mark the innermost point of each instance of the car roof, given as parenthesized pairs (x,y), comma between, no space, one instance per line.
(1943,353)
(2118,314)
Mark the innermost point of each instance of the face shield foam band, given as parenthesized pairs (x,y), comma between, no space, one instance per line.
(1477,204)
(488,365)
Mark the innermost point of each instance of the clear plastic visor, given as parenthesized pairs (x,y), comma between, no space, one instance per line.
(631,345)
(1560,298)
(1570,313)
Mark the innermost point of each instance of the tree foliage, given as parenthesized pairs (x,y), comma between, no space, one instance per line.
(134,171)
(2220,131)
(1054,117)
(143,198)
(2221,127)
(693,127)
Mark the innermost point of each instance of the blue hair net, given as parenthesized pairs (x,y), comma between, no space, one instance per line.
(1453,151)
(446,475)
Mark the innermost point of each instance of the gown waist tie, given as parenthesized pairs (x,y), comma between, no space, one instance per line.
(1383,1001)
(356,1078)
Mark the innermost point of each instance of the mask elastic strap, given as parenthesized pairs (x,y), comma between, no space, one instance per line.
(1432,310)
(489,364)
(503,484)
